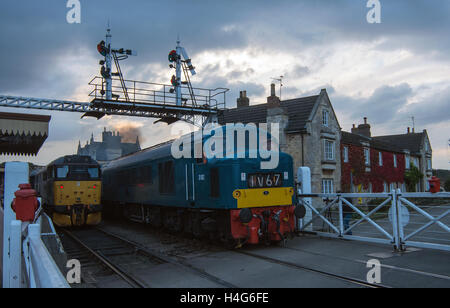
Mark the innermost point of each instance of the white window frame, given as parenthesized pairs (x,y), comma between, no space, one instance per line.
(328,150)
(395,160)
(345,154)
(385,187)
(380,159)
(367,156)
(327,186)
(391,187)
(407,162)
(325,117)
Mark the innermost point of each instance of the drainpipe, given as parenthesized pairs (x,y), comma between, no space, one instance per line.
(303,158)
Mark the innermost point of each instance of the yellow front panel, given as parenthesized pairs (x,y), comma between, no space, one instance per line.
(77,192)
(261,197)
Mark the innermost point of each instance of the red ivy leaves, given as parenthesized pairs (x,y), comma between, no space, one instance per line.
(356,169)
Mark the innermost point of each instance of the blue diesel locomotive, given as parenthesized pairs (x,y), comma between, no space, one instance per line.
(227,199)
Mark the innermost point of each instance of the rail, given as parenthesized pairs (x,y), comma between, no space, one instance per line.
(156,93)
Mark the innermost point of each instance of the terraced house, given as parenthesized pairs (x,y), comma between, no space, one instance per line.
(378,163)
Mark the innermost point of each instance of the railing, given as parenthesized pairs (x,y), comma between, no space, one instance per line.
(388,218)
(156,93)
(31,265)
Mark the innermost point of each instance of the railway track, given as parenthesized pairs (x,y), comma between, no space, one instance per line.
(351,280)
(103,246)
(102,255)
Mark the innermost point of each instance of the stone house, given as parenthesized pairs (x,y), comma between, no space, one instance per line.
(309,132)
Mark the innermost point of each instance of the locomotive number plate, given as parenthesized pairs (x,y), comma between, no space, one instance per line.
(262,180)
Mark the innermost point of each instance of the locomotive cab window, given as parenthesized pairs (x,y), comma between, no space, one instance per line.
(166,178)
(62,172)
(94,172)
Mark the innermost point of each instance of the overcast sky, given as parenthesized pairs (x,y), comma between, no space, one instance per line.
(387,72)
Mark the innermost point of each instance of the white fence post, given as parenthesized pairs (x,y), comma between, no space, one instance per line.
(341,218)
(15,264)
(395,222)
(15,173)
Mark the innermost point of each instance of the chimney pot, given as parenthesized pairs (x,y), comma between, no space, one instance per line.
(365,120)
(408,130)
(272,89)
(243,100)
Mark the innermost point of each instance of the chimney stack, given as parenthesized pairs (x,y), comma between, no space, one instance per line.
(273,101)
(243,100)
(407,130)
(362,129)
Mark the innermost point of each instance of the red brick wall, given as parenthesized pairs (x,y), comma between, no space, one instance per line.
(377,174)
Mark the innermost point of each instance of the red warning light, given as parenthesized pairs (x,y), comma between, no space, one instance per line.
(62,186)
(94,187)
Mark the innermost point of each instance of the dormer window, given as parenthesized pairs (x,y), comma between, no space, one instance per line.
(325,117)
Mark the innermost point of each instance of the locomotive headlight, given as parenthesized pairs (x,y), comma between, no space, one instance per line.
(236,194)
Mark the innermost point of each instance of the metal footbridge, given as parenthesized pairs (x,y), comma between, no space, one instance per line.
(145,99)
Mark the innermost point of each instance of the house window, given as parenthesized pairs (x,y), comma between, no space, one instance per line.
(395,161)
(407,163)
(329,150)
(416,162)
(345,154)
(380,158)
(367,156)
(327,186)
(429,164)
(325,117)
(391,187)
(385,187)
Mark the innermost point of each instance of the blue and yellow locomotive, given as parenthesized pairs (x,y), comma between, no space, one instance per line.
(70,188)
(229,199)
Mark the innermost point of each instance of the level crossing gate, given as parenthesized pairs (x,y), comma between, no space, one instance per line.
(395,218)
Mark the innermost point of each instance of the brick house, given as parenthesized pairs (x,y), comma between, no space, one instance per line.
(309,132)
(378,163)
(417,150)
(370,165)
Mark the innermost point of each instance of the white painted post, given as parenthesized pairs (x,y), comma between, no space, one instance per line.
(304,179)
(15,264)
(15,173)
(341,217)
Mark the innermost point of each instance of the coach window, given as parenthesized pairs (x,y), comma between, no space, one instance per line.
(214,182)
(166,178)
(147,175)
